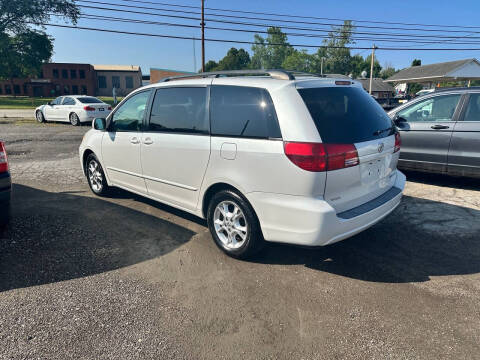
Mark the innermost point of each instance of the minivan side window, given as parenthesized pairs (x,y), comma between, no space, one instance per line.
(180,109)
(473,108)
(438,108)
(242,112)
(129,116)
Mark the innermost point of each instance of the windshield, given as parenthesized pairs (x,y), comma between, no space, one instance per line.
(89,100)
(346,115)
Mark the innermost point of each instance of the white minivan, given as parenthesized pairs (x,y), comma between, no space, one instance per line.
(261,155)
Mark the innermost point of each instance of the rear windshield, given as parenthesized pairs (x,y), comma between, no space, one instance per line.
(89,100)
(346,115)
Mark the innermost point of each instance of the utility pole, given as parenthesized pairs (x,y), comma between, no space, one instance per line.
(321,66)
(371,69)
(203,35)
(194,56)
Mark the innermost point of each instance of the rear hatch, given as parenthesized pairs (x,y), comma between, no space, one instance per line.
(347,114)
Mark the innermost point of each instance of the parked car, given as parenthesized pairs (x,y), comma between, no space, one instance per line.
(301,160)
(73,108)
(5,186)
(441,132)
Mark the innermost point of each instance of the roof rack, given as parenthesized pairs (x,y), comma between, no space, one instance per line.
(275,74)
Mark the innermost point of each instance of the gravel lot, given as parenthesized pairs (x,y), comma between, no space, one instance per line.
(83,277)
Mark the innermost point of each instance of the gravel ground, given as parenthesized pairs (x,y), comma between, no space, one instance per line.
(84,277)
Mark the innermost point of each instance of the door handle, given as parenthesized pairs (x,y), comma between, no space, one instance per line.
(135,140)
(438,127)
(148,141)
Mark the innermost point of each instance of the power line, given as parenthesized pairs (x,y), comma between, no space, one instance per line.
(252,42)
(265,19)
(435,37)
(302,16)
(148,22)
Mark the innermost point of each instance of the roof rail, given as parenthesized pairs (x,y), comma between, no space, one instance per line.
(275,74)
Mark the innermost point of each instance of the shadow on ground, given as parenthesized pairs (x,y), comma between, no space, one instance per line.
(420,239)
(457,182)
(59,236)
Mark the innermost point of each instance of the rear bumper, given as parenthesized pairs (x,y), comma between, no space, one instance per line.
(313,222)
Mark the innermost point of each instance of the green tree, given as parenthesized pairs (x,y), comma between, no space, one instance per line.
(387,72)
(335,50)
(299,60)
(236,59)
(210,66)
(24,45)
(272,51)
(416,62)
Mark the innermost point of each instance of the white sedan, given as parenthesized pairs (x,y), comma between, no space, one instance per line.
(73,108)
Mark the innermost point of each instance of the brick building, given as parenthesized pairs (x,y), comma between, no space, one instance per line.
(125,78)
(156,74)
(55,79)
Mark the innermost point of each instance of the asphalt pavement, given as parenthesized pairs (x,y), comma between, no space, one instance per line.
(123,277)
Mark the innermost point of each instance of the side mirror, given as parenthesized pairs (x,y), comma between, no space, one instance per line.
(399,121)
(99,124)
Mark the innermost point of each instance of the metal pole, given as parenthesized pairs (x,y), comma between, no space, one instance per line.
(321,66)
(203,35)
(371,69)
(194,56)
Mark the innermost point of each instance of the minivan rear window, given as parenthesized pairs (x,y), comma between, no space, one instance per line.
(346,115)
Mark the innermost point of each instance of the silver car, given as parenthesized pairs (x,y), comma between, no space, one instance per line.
(441,132)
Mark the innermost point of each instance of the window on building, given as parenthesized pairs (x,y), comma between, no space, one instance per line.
(129,82)
(64,74)
(116,82)
(16,89)
(73,74)
(1,90)
(102,82)
(55,73)
(74,89)
(81,74)
(40,76)
(84,90)
(180,110)
(8,89)
(242,112)
(66,89)
(25,89)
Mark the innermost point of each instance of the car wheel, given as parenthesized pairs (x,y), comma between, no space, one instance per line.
(234,225)
(74,120)
(95,176)
(39,116)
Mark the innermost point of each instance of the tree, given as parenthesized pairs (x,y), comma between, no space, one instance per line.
(23,46)
(210,66)
(335,50)
(299,61)
(387,72)
(416,62)
(270,52)
(236,59)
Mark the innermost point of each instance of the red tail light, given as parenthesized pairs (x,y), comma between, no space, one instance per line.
(109,108)
(88,108)
(398,142)
(318,157)
(3,158)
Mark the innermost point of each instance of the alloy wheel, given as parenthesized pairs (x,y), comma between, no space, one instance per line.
(95,176)
(230,224)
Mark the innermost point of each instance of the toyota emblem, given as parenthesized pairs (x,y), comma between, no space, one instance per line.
(380,147)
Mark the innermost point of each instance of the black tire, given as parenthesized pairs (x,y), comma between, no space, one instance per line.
(74,120)
(39,116)
(95,179)
(253,241)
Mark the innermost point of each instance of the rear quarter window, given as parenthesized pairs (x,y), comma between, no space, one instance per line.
(346,115)
(242,112)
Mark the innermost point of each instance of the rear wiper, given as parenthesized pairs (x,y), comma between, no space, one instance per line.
(378,132)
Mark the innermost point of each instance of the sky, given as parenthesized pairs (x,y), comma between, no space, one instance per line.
(81,46)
